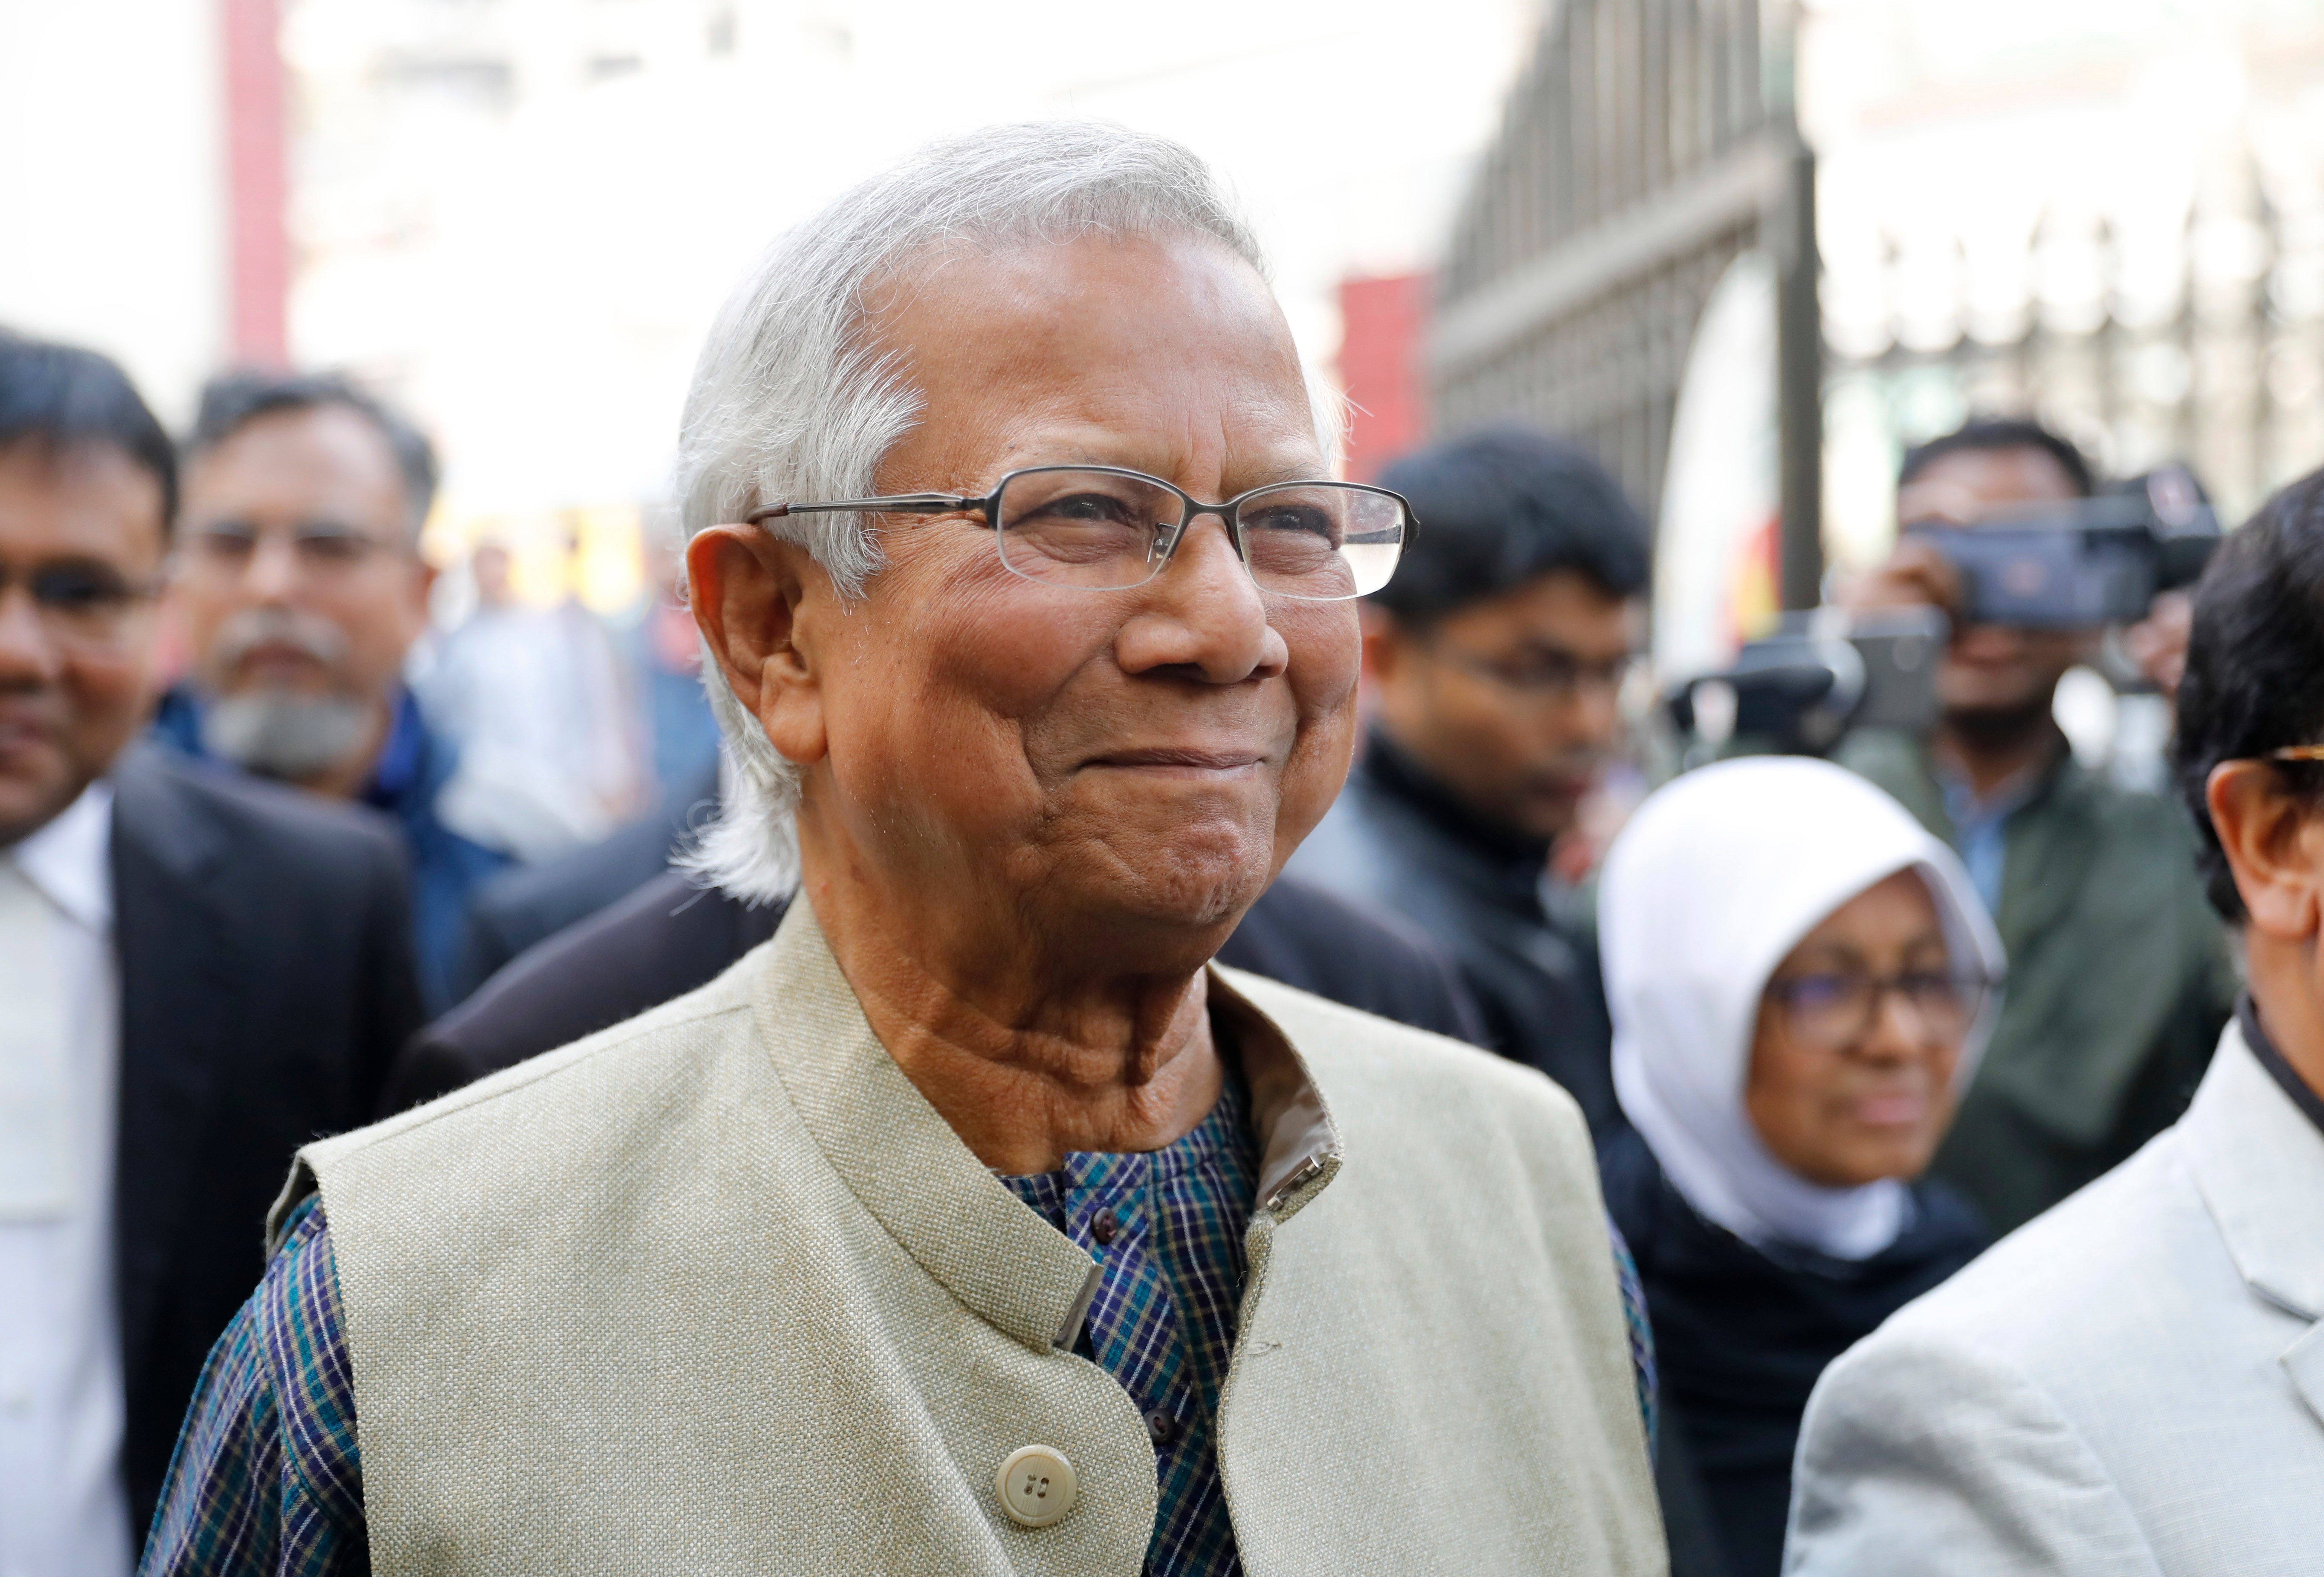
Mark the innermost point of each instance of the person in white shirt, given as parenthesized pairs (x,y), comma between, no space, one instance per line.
(193,980)
(2132,1385)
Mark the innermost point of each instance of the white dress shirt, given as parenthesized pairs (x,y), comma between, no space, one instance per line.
(63,1511)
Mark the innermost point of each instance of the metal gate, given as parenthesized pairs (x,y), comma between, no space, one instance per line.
(1647,145)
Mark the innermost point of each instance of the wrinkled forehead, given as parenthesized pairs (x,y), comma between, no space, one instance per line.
(1171,346)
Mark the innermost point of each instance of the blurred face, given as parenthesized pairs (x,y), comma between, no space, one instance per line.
(490,567)
(1849,1083)
(1511,702)
(301,591)
(1145,759)
(1991,669)
(84,526)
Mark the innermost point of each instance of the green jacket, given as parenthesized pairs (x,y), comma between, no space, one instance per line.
(2119,981)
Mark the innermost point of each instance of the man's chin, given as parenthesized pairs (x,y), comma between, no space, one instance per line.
(1176,904)
(1545,814)
(32,795)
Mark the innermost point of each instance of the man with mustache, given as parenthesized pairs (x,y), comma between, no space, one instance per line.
(302,591)
(1493,658)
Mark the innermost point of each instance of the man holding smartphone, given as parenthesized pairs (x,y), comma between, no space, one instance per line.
(2119,976)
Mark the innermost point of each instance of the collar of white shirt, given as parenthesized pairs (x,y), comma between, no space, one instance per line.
(69,859)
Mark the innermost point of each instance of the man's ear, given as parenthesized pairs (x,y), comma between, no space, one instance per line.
(2274,844)
(748,592)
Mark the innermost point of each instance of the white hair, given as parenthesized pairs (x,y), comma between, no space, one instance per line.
(791,399)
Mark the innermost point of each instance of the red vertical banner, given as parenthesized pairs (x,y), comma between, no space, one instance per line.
(1382,323)
(257,182)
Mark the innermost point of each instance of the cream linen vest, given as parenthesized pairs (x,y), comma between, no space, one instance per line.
(717,1291)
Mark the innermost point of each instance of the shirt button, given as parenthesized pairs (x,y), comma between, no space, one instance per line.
(1037,1486)
(1103,1226)
(1164,1428)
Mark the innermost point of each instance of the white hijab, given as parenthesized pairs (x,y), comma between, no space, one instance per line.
(1712,884)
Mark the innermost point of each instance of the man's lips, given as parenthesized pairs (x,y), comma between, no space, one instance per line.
(24,727)
(278,655)
(1171,761)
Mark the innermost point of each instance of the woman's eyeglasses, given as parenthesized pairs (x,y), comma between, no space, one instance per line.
(1833,1010)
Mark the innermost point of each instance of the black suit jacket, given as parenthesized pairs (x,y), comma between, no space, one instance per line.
(266,981)
(670,936)
(533,903)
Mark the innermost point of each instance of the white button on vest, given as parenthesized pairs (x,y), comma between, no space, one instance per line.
(1037,1486)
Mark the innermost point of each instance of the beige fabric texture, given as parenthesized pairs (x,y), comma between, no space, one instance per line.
(2129,1386)
(717,1291)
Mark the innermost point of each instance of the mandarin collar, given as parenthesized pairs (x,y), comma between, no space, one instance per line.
(959,1222)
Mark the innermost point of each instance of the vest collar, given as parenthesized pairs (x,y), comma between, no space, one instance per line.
(906,1165)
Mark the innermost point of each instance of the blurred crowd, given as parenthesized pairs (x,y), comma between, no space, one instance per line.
(1836,1021)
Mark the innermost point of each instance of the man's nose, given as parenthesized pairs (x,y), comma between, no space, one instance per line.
(1204,612)
(28,651)
(1598,712)
(273,573)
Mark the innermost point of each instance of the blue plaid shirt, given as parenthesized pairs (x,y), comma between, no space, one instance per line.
(1167,1231)
(268,1483)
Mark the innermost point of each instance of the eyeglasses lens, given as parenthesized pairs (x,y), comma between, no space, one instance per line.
(1102,530)
(79,601)
(1090,529)
(1834,1009)
(1323,541)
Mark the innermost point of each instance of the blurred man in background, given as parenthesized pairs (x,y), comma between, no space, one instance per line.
(539,707)
(2119,973)
(303,592)
(1495,658)
(196,975)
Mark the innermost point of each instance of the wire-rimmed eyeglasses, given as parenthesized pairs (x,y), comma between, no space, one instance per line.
(1101,528)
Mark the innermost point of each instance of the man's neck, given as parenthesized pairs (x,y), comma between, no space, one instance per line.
(1397,767)
(1027,1059)
(1991,750)
(2289,992)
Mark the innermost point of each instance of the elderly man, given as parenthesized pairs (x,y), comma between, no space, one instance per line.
(302,590)
(974,1223)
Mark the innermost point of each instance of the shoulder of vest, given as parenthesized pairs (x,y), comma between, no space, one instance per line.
(729,993)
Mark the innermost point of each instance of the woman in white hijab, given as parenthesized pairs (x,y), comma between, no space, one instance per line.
(1801,979)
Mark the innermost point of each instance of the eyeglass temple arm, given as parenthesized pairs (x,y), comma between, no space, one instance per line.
(906,503)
